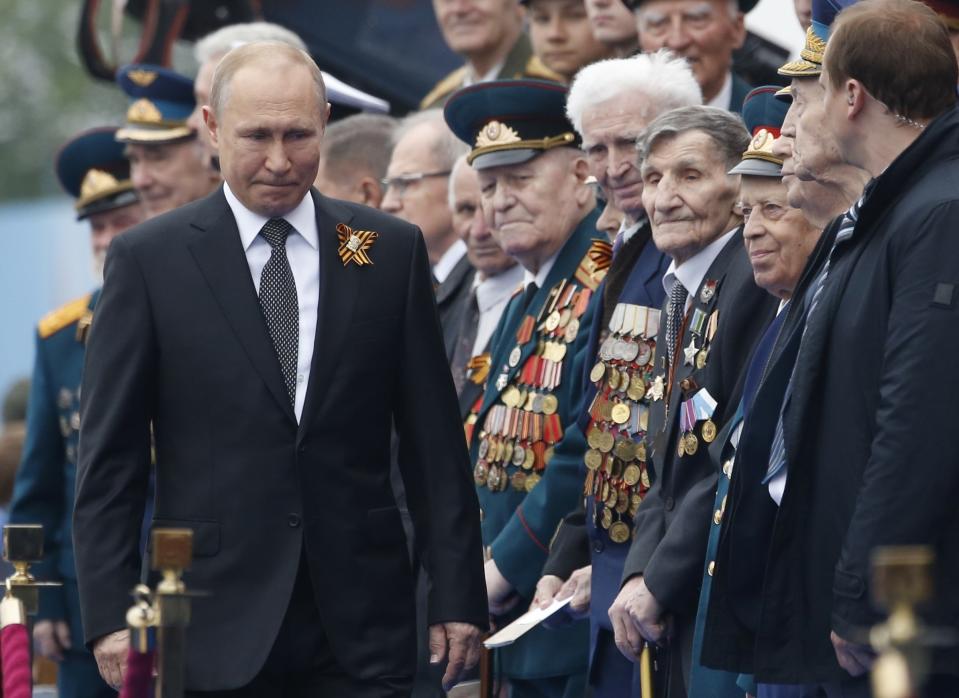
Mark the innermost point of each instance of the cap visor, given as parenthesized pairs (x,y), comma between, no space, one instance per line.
(757,168)
(514,156)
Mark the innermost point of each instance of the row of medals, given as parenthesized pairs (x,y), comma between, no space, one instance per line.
(496,453)
(616,477)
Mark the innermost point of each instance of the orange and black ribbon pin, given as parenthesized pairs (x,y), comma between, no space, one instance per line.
(354,244)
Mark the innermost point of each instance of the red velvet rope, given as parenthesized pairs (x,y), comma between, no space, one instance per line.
(139,677)
(15,654)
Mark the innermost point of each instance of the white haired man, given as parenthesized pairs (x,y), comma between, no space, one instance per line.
(610,104)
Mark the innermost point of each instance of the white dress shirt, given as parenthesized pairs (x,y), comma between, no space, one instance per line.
(539,278)
(777,486)
(724,96)
(303,252)
(492,296)
(692,272)
(450,259)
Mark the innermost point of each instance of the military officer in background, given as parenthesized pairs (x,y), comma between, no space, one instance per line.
(779,240)
(713,316)
(489,35)
(92,169)
(535,196)
(168,165)
(610,103)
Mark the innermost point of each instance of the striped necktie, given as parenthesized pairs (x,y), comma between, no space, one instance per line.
(777,451)
(674,318)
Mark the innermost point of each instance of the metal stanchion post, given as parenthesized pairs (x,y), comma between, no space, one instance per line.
(172,553)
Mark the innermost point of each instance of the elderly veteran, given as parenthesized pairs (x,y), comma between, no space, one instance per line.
(168,165)
(713,314)
(779,240)
(610,103)
(91,168)
(704,32)
(536,199)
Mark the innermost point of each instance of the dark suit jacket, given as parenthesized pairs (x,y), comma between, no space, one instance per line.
(179,341)
(451,298)
(672,524)
(741,88)
(871,461)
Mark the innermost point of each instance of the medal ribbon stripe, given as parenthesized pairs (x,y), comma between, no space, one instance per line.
(354,244)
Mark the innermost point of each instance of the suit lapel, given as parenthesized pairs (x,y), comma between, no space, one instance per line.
(219,253)
(338,290)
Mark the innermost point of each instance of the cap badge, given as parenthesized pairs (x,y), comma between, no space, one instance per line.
(95,182)
(143,111)
(143,78)
(496,133)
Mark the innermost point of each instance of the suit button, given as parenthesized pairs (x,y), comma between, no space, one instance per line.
(669,504)
(293,520)
(598,546)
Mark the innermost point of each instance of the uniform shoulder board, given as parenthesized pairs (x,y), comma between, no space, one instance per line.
(450,83)
(535,68)
(592,268)
(63,316)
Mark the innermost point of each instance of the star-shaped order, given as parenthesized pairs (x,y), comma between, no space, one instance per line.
(690,352)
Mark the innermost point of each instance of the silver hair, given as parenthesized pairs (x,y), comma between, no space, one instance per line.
(216,44)
(665,79)
(361,142)
(457,166)
(446,146)
(732,10)
(725,129)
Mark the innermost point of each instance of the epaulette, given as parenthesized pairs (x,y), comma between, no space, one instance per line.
(63,317)
(449,84)
(592,268)
(535,68)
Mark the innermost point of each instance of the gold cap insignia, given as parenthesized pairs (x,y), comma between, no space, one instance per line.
(143,111)
(809,63)
(761,148)
(496,133)
(814,48)
(96,182)
(143,78)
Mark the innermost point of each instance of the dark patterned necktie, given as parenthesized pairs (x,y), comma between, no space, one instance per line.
(278,302)
(674,318)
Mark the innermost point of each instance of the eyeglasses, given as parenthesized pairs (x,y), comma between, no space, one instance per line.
(401,182)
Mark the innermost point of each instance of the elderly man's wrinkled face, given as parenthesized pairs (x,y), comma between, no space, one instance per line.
(471,26)
(783,148)
(610,130)
(418,187)
(704,32)
(613,22)
(268,135)
(484,253)
(533,207)
(611,220)
(687,193)
(106,225)
(778,237)
(815,151)
(168,175)
(562,36)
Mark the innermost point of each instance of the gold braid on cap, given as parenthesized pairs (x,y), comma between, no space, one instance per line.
(496,136)
(97,185)
(761,148)
(810,58)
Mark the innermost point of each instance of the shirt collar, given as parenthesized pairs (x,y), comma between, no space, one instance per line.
(450,259)
(692,272)
(539,278)
(494,289)
(472,78)
(628,231)
(725,94)
(302,218)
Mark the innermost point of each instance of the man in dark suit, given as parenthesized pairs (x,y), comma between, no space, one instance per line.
(714,310)
(706,32)
(858,403)
(610,104)
(248,329)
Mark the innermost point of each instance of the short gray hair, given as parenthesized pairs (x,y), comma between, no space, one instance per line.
(260,52)
(665,79)
(361,141)
(222,41)
(457,166)
(446,146)
(725,129)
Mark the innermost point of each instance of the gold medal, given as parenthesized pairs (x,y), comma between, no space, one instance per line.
(701,358)
(519,455)
(518,481)
(620,413)
(572,329)
(531,481)
(632,474)
(510,396)
(480,473)
(623,380)
(681,446)
(493,479)
(619,532)
(550,404)
(606,442)
(552,322)
(514,356)
(606,519)
(637,388)
(529,460)
(641,451)
(612,497)
(565,316)
(593,459)
(622,502)
(592,438)
(692,444)
(599,370)
(644,478)
(708,431)
(625,450)
(612,379)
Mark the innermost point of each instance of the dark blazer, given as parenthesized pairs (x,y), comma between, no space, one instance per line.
(179,342)
(579,541)
(873,400)
(741,88)
(672,525)
(451,298)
